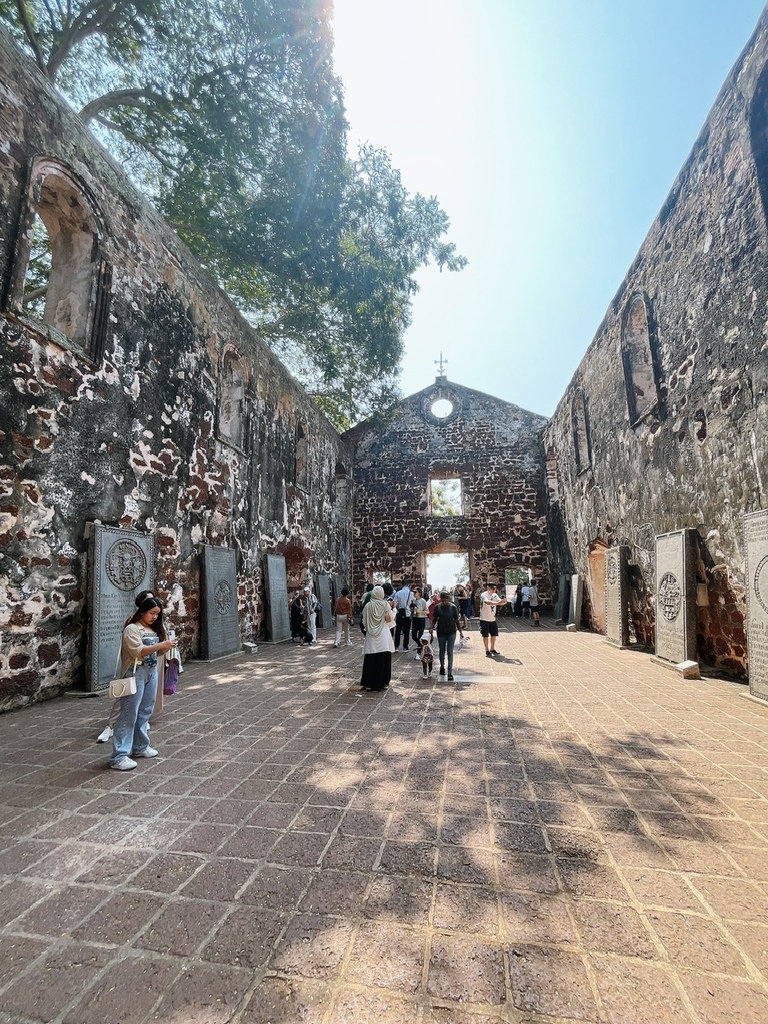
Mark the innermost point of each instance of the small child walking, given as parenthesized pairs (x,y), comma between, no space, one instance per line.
(427,657)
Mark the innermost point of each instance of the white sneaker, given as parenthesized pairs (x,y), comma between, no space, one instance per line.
(146,752)
(349,643)
(124,764)
(104,735)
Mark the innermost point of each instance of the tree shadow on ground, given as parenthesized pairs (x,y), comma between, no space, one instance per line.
(306,852)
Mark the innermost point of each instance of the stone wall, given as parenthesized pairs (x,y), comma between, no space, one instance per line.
(663,426)
(133,393)
(492,447)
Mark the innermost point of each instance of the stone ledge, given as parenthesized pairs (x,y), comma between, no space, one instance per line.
(686,669)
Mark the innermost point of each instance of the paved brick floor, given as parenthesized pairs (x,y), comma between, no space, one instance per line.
(570,833)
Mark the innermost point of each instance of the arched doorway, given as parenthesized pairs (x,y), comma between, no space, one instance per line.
(596,556)
(445,565)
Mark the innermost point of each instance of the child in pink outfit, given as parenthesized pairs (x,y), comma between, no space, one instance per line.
(427,656)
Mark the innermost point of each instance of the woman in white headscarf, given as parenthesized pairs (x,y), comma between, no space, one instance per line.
(377,649)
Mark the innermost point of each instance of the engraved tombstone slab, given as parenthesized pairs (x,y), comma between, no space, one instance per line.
(616,596)
(675,597)
(120,566)
(756,578)
(220,633)
(278,611)
(323,592)
(574,604)
(563,598)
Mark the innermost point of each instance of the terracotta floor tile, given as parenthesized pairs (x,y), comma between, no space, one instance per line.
(470,854)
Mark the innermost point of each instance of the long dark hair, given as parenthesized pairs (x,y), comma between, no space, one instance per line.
(158,625)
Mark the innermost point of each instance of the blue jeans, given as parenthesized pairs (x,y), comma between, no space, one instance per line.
(445,644)
(130,732)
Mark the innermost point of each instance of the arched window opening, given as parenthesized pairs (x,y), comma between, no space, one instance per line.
(581,444)
(232,400)
(302,457)
(342,488)
(758,134)
(60,279)
(553,487)
(637,357)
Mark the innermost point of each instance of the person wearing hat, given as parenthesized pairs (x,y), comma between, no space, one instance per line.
(489,627)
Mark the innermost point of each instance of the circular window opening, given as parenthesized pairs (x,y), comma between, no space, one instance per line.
(442,408)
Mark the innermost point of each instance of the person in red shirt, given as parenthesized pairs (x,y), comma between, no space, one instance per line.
(343,612)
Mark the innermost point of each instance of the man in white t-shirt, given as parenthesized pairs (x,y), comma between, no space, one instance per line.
(403,598)
(526,600)
(489,627)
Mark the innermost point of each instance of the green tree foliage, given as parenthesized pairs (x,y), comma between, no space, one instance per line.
(446,497)
(228,114)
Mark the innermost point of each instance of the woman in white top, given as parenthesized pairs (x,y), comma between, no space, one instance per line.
(379,645)
(143,639)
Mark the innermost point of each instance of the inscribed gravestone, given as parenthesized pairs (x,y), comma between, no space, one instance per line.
(616,598)
(120,566)
(323,592)
(278,612)
(756,579)
(563,598)
(220,633)
(675,597)
(574,605)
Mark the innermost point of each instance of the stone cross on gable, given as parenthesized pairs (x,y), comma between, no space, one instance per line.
(441,364)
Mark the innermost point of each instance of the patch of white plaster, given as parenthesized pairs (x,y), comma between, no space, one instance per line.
(753,446)
(130,506)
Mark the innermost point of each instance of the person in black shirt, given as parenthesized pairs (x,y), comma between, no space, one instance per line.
(445,622)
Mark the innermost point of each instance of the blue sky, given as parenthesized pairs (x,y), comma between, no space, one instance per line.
(551,131)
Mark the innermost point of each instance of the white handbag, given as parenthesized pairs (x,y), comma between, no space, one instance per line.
(122,686)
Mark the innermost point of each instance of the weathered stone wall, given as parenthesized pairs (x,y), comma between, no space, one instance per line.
(663,425)
(140,434)
(493,447)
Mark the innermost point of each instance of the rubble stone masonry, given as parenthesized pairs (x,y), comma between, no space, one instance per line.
(663,426)
(138,396)
(493,448)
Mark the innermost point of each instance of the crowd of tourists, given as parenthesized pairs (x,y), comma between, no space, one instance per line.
(402,619)
(391,620)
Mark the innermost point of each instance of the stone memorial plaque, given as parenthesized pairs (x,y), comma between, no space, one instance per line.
(616,596)
(756,579)
(675,597)
(278,610)
(323,594)
(574,603)
(220,633)
(120,566)
(563,599)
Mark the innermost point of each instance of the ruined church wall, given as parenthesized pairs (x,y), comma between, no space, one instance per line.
(142,434)
(663,426)
(493,447)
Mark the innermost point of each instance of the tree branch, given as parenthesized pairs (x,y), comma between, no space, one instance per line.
(95,17)
(138,141)
(31,35)
(116,98)
(37,293)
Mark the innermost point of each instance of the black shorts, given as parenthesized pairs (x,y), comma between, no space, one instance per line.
(489,628)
